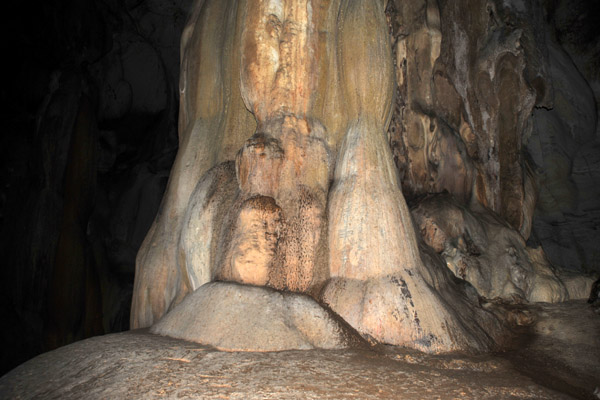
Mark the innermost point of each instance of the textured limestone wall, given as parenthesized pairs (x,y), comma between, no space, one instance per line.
(483,249)
(463,104)
(496,105)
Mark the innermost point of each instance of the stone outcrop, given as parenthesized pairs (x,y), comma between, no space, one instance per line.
(234,317)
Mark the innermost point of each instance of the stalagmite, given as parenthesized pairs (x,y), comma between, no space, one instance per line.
(302,123)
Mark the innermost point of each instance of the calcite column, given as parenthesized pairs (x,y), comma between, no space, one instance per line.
(310,200)
(283,169)
(379,283)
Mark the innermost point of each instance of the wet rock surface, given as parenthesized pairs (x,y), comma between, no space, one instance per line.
(137,364)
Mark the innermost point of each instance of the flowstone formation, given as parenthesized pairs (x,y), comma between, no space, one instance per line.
(481,248)
(301,125)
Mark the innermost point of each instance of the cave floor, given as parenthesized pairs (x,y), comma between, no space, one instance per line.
(558,358)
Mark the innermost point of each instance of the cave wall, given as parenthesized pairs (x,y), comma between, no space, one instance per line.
(91,132)
(500,106)
(564,145)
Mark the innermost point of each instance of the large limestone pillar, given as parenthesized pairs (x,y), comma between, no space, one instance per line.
(285,177)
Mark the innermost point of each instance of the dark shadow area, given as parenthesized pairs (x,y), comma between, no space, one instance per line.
(90,107)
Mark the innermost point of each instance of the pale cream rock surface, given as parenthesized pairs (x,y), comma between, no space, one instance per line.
(200,239)
(234,317)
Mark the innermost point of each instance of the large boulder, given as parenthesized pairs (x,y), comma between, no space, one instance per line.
(235,317)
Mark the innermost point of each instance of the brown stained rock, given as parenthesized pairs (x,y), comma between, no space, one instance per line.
(277,80)
(301,193)
(280,94)
(251,256)
(258,165)
(213,122)
(463,104)
(292,169)
(278,57)
(301,246)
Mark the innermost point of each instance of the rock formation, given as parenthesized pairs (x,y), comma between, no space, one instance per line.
(485,251)
(495,102)
(301,125)
(492,108)
(481,113)
(235,317)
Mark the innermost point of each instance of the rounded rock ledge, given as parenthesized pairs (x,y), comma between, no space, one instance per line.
(234,317)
